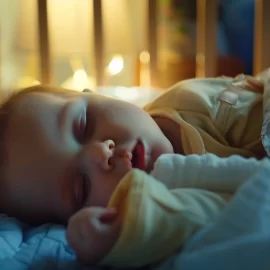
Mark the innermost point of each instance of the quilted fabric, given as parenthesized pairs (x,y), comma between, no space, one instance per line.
(44,247)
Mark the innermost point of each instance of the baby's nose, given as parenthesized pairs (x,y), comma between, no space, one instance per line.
(105,153)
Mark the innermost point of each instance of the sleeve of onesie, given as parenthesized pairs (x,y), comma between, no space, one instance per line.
(205,172)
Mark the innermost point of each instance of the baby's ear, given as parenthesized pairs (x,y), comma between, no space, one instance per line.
(87,90)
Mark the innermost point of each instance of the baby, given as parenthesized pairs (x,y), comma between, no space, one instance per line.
(145,215)
(62,150)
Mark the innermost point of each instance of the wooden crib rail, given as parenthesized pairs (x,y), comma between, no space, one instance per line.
(261,36)
(43,42)
(206,38)
(206,57)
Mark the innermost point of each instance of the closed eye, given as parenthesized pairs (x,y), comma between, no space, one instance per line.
(80,126)
(83,125)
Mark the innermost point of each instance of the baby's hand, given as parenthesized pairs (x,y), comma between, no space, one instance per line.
(92,232)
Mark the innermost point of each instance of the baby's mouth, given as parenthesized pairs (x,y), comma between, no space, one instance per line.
(138,156)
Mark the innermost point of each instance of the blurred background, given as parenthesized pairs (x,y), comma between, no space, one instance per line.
(126,42)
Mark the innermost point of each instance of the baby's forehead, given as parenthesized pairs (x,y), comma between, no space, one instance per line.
(38,105)
(57,94)
(36,99)
(33,101)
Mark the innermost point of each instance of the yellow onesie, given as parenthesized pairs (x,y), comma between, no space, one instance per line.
(215,115)
(157,221)
(159,212)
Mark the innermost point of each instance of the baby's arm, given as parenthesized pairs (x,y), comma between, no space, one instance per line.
(92,232)
(205,172)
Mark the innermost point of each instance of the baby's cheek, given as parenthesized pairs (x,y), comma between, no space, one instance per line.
(102,189)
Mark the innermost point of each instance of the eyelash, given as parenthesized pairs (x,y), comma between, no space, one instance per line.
(89,129)
(86,127)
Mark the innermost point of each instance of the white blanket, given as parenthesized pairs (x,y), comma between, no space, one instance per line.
(239,238)
(205,172)
(266,107)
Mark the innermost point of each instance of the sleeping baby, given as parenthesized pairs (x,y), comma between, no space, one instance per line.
(150,216)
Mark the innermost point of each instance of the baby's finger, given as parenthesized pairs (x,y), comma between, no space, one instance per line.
(109,215)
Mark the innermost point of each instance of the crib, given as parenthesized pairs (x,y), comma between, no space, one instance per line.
(45,247)
(206,47)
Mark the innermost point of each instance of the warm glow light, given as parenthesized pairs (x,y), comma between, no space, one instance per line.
(80,76)
(79,81)
(145,79)
(116,65)
(128,94)
(145,57)
(136,95)
(27,82)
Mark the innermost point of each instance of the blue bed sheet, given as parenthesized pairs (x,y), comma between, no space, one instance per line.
(22,247)
(238,239)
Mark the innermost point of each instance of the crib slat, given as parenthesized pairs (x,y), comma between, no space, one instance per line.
(1,75)
(206,57)
(152,39)
(43,42)
(261,36)
(98,41)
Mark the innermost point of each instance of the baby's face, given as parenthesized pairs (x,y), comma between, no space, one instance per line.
(67,152)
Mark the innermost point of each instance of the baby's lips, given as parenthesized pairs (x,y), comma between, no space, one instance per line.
(141,156)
